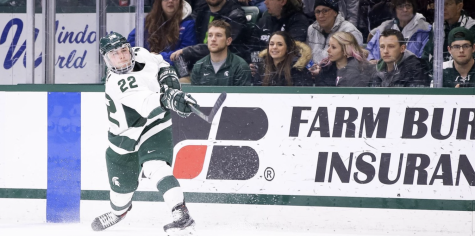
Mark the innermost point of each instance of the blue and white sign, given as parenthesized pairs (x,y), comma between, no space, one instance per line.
(76,46)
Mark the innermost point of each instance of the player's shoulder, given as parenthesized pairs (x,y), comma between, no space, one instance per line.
(140,50)
(142,55)
(111,76)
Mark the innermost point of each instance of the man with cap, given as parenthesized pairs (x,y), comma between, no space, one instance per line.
(328,22)
(454,16)
(349,9)
(460,71)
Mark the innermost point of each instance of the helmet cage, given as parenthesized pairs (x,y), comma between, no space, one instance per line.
(123,68)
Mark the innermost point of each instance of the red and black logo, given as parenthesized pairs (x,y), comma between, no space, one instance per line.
(227,162)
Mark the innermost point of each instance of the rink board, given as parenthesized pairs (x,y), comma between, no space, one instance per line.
(302,157)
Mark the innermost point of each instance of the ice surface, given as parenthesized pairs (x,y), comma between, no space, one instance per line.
(128,229)
(28,217)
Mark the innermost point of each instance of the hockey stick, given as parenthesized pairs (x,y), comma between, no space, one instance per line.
(214,110)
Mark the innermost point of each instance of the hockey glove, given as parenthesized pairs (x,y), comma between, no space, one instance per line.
(168,77)
(177,101)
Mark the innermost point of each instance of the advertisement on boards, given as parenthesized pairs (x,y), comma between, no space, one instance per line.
(391,146)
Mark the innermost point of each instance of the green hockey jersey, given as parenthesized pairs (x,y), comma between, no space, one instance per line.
(133,102)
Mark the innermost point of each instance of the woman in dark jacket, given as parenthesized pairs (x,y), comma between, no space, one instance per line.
(279,56)
(346,64)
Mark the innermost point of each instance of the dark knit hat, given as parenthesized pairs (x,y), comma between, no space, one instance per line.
(460,33)
(333,4)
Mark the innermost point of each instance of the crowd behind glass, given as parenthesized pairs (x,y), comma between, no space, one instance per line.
(343,43)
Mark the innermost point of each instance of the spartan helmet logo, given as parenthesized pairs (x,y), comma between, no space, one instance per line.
(115,181)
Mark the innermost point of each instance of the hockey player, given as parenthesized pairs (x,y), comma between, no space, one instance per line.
(141,90)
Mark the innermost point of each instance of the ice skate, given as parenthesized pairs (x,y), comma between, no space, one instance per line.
(182,223)
(107,220)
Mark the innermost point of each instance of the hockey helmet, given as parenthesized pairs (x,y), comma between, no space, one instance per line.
(117,53)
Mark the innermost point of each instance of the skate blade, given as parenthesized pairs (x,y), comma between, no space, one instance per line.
(190,230)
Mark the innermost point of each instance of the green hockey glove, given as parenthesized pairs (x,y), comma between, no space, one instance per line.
(177,101)
(167,76)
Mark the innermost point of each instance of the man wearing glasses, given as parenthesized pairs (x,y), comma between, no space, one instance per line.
(460,72)
(454,16)
(328,22)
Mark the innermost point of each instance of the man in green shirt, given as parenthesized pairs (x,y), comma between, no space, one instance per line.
(220,67)
(460,72)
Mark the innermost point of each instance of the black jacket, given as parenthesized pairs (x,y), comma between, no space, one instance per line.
(327,76)
(354,74)
(300,75)
(233,14)
(299,78)
(408,72)
(295,23)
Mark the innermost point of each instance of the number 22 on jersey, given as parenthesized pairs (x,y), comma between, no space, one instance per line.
(123,84)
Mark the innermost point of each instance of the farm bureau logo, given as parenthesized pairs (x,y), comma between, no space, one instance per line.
(227,162)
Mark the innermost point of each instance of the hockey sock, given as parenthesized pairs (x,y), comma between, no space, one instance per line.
(161,174)
(120,202)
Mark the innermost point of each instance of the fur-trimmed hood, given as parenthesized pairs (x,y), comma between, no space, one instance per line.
(305,55)
(186,10)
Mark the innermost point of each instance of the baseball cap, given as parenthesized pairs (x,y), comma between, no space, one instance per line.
(460,33)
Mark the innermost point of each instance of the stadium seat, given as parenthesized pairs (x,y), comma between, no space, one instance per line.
(252,14)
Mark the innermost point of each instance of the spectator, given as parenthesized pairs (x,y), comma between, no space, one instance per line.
(427,9)
(460,72)
(220,67)
(413,26)
(227,10)
(281,15)
(328,22)
(380,11)
(363,18)
(197,6)
(168,27)
(279,56)
(349,10)
(346,64)
(454,16)
(398,66)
